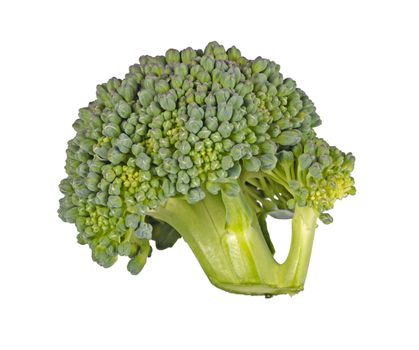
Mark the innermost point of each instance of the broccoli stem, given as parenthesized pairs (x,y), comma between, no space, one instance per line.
(224,234)
(293,271)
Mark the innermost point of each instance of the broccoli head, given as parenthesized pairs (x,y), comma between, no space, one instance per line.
(203,145)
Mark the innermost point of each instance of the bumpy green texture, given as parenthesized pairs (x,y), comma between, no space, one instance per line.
(311,173)
(201,145)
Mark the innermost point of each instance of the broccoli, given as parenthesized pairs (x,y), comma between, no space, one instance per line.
(203,145)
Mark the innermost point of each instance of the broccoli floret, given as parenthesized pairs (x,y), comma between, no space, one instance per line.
(203,145)
(305,183)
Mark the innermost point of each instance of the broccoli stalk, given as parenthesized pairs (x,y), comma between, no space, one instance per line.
(293,271)
(225,236)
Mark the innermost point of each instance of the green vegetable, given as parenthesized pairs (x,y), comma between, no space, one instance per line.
(203,145)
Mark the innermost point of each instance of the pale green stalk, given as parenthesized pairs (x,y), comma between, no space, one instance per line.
(224,234)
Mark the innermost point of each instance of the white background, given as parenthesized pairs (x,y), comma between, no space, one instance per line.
(358,61)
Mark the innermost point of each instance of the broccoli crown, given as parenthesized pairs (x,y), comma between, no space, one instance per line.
(183,125)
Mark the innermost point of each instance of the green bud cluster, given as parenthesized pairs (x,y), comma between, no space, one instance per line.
(180,125)
(315,174)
